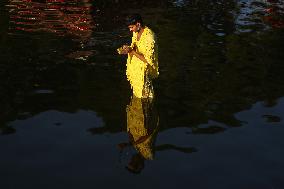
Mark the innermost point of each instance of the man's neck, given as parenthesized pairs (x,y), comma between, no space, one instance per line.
(139,33)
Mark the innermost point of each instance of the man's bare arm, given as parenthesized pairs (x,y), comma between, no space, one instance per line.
(138,55)
(132,52)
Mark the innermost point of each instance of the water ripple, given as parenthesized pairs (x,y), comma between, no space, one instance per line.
(53,16)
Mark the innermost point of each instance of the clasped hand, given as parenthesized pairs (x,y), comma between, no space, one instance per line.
(125,49)
(128,49)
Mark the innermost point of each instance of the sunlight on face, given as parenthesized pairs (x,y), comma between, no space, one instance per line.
(134,27)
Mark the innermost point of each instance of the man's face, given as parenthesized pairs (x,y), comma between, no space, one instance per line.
(134,27)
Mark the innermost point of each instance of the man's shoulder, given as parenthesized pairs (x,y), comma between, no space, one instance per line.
(150,33)
(149,30)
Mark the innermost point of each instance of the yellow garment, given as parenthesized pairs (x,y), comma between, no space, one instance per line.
(139,73)
(142,123)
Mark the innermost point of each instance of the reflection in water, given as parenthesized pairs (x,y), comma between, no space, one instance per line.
(274,13)
(6,130)
(64,18)
(272,118)
(142,125)
(209,130)
(255,14)
(196,80)
(60,17)
(142,129)
(209,72)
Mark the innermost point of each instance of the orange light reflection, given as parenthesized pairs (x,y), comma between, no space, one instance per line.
(72,17)
(274,13)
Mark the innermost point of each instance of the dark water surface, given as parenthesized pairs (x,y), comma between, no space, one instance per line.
(65,103)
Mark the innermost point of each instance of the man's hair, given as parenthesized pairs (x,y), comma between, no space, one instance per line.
(133,19)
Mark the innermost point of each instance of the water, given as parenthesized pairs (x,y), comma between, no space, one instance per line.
(66,104)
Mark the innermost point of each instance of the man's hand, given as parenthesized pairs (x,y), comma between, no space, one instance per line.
(127,48)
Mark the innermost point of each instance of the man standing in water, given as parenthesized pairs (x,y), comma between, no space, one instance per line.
(142,61)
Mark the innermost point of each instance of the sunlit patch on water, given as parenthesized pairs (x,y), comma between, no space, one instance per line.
(274,13)
(58,17)
(254,14)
